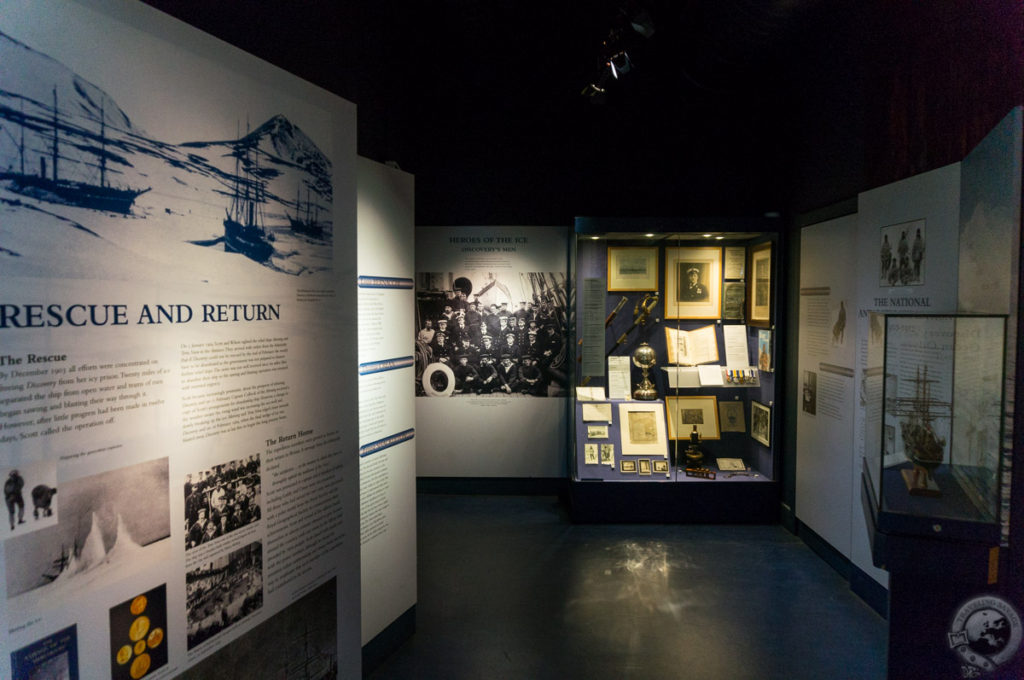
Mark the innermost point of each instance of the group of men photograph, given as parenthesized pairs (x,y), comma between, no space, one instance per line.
(491,347)
(220,500)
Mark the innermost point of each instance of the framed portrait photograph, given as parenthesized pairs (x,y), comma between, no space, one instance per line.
(759,286)
(590,454)
(731,416)
(642,429)
(693,283)
(760,422)
(632,268)
(685,412)
(627,466)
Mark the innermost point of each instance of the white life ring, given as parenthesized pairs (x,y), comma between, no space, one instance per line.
(448,380)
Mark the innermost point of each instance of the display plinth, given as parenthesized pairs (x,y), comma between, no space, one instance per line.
(697,501)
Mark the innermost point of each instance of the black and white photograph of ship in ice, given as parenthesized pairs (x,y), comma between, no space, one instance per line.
(86,193)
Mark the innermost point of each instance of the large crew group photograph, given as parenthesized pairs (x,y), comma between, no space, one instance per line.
(491,334)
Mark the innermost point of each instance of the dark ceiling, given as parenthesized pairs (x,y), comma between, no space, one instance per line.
(481,99)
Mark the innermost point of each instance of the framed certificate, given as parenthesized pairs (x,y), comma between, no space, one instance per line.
(759,286)
(685,412)
(642,429)
(632,269)
(693,283)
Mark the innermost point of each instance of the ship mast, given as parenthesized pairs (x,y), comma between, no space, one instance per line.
(103,147)
(54,134)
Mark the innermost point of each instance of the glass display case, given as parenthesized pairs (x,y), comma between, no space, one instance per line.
(935,426)
(675,329)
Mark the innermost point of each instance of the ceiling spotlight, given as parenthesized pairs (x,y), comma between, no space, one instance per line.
(620,63)
(595,238)
(707,235)
(719,238)
(649,235)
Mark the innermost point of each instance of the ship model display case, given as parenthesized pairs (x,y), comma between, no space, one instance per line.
(934,433)
(675,405)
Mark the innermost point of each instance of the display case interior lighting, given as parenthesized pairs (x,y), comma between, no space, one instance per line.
(707,235)
(649,235)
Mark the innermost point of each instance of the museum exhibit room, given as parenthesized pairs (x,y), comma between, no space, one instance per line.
(507,339)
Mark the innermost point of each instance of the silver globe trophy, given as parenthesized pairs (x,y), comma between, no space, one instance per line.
(645,359)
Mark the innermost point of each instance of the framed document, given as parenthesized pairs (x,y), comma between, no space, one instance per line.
(642,429)
(760,422)
(632,269)
(734,297)
(644,466)
(735,262)
(685,412)
(731,416)
(730,464)
(660,466)
(627,466)
(693,283)
(759,286)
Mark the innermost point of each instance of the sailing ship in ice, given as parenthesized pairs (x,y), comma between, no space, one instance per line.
(307,217)
(304,662)
(47,184)
(922,446)
(244,230)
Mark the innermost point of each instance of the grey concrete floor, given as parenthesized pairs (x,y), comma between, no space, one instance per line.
(509,588)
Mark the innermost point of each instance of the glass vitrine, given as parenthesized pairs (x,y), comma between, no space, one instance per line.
(937,424)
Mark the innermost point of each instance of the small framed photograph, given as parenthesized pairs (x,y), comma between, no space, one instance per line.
(760,422)
(608,454)
(597,432)
(809,398)
(627,467)
(759,286)
(686,412)
(764,350)
(693,283)
(660,466)
(731,417)
(643,466)
(590,454)
(632,269)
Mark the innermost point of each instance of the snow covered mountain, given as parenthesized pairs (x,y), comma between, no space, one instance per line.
(108,170)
